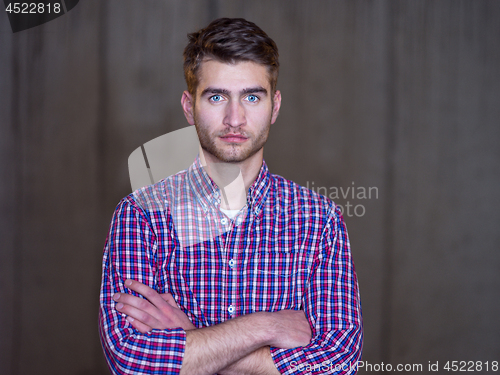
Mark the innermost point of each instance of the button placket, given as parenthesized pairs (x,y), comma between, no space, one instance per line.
(229,276)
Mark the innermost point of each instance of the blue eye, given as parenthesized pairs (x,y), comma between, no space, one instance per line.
(216,98)
(252,98)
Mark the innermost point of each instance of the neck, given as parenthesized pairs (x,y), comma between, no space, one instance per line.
(233,179)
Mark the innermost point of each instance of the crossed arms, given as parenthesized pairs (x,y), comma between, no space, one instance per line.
(239,346)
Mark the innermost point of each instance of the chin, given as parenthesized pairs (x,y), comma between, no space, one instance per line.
(231,158)
(239,157)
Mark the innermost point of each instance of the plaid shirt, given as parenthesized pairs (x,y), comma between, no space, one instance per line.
(286,249)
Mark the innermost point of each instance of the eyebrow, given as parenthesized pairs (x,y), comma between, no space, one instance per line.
(249,90)
(254,90)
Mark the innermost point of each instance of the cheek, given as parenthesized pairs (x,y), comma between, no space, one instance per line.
(260,116)
(208,117)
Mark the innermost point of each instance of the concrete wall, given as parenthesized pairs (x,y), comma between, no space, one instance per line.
(403,97)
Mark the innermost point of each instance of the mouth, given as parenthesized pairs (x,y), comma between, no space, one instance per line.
(233,138)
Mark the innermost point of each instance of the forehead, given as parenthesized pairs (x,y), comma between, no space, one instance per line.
(232,77)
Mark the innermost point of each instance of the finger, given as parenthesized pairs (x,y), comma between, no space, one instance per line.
(170,299)
(136,302)
(141,327)
(152,295)
(137,314)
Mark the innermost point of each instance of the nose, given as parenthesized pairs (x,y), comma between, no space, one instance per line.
(235,114)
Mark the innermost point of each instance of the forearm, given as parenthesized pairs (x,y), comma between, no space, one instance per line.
(211,349)
(259,362)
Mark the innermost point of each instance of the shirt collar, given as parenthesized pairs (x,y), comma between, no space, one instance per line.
(208,193)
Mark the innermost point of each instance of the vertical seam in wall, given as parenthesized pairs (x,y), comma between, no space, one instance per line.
(101,110)
(213,10)
(101,140)
(19,212)
(388,255)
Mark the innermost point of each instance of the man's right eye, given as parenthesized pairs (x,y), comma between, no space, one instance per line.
(216,98)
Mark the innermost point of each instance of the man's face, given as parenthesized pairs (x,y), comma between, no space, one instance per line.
(233,109)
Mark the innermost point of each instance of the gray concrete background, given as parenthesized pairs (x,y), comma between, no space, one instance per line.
(402,96)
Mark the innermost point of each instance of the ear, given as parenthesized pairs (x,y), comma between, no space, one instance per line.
(187,103)
(276,106)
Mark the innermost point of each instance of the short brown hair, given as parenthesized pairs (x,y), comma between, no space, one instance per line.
(230,40)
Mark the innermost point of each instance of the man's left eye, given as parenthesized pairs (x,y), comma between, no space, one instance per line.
(252,98)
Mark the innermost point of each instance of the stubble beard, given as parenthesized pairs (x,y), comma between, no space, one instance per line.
(231,153)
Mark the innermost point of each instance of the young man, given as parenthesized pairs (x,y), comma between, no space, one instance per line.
(226,268)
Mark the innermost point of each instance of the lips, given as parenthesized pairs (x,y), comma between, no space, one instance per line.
(234,138)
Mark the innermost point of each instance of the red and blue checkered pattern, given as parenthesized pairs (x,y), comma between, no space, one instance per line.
(286,249)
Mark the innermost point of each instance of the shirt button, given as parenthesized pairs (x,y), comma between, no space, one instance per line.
(231,309)
(232,263)
(216,194)
(224,221)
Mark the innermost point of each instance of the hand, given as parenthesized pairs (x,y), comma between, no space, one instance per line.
(290,329)
(159,311)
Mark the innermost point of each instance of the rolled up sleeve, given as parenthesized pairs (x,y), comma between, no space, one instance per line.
(332,306)
(130,252)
